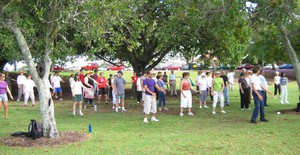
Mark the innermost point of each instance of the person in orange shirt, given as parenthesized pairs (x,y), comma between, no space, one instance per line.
(102,87)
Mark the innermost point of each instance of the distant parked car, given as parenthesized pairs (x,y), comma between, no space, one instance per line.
(173,68)
(286,66)
(103,68)
(246,66)
(270,66)
(58,68)
(90,66)
(115,68)
(73,68)
(129,69)
(186,67)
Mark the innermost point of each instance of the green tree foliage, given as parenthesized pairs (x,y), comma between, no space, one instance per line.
(284,16)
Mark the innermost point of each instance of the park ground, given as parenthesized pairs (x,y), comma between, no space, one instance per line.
(204,133)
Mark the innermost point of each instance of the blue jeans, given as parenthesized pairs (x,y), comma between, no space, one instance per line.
(259,107)
(226,96)
(162,99)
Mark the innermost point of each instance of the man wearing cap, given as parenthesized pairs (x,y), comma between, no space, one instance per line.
(217,91)
(20,81)
(150,97)
(119,84)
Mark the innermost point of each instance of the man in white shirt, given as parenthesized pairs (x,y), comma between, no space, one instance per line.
(257,88)
(21,79)
(265,84)
(56,79)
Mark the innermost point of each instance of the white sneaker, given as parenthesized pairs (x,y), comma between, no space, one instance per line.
(287,102)
(80,113)
(113,108)
(213,112)
(281,102)
(84,107)
(153,119)
(60,99)
(56,97)
(145,120)
(117,110)
(224,112)
(249,108)
(190,114)
(181,114)
(200,106)
(74,113)
(274,97)
(159,109)
(124,110)
(243,109)
(206,106)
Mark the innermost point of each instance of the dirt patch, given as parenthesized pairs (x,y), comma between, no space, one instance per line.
(64,138)
(289,111)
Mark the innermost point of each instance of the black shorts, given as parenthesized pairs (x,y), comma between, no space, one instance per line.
(102,91)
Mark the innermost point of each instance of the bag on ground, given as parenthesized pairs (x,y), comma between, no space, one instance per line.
(35,130)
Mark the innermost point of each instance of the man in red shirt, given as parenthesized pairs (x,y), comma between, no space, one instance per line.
(102,87)
(133,81)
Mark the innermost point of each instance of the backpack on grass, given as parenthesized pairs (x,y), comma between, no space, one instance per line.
(35,129)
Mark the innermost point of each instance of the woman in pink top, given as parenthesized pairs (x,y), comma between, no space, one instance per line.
(186,94)
(3,96)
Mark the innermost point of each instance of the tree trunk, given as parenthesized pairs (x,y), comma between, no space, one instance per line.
(42,84)
(292,54)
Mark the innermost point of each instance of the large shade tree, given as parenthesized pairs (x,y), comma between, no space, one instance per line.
(284,16)
(40,29)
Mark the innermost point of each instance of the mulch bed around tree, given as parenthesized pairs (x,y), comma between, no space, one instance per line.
(64,138)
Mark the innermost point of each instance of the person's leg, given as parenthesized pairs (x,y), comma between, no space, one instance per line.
(5,105)
(246,100)
(20,92)
(226,96)
(286,94)
(99,97)
(74,108)
(32,97)
(26,96)
(153,110)
(147,106)
(282,94)
(175,90)
(215,100)
(242,99)
(257,107)
(279,89)
(160,99)
(221,96)
(275,90)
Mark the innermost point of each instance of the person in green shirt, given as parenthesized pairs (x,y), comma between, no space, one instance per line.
(217,91)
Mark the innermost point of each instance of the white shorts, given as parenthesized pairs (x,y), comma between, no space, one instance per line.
(150,104)
(3,98)
(186,102)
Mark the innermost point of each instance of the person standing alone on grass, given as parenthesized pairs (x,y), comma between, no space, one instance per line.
(161,95)
(20,81)
(244,92)
(186,94)
(76,89)
(28,90)
(119,84)
(4,90)
(172,81)
(284,93)
(257,88)
(102,88)
(150,97)
(276,81)
(217,91)
(56,79)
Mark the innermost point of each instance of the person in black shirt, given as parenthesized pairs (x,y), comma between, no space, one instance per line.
(244,92)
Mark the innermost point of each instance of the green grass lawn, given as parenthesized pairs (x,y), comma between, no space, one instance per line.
(204,133)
